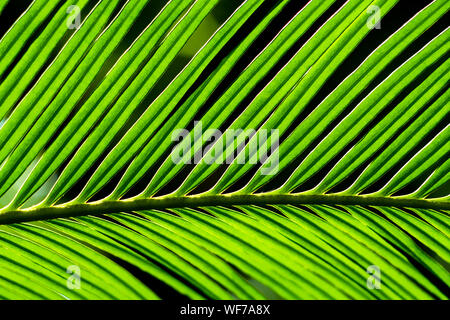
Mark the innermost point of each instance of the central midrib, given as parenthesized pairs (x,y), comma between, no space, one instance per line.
(104,207)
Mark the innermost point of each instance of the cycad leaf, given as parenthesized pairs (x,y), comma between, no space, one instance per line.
(268,165)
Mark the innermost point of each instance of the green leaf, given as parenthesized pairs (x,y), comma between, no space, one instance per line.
(313,154)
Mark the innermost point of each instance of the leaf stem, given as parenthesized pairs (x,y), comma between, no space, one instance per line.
(104,207)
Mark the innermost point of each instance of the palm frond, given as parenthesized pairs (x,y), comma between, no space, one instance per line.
(352,172)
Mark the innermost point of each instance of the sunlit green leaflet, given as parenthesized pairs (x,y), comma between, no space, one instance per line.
(65,100)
